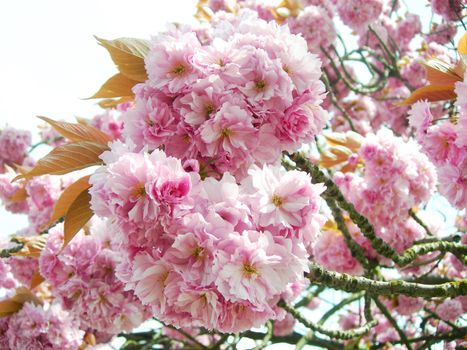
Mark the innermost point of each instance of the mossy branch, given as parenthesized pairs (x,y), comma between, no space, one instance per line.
(352,284)
(345,335)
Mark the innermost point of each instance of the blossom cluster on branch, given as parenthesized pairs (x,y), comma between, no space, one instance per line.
(243,169)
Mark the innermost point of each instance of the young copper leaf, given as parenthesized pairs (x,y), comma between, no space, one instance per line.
(9,307)
(112,103)
(36,280)
(67,158)
(128,54)
(15,303)
(78,132)
(78,214)
(431,93)
(24,295)
(19,196)
(441,73)
(67,198)
(117,86)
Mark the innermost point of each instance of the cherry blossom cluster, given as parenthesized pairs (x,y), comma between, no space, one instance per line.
(40,327)
(14,145)
(395,175)
(207,253)
(373,27)
(239,94)
(82,277)
(445,143)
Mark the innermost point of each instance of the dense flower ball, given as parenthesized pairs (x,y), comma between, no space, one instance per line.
(209,253)
(83,279)
(244,96)
(35,327)
(397,176)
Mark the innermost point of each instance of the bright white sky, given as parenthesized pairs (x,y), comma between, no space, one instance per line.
(50,59)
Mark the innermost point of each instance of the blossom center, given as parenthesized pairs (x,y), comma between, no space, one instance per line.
(198,252)
(260,85)
(277,200)
(249,270)
(179,69)
(139,191)
(208,109)
(226,132)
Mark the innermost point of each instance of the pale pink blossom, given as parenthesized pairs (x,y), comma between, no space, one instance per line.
(331,251)
(453,182)
(408,305)
(316,27)
(449,10)
(283,198)
(169,63)
(34,327)
(450,309)
(228,130)
(13,146)
(358,14)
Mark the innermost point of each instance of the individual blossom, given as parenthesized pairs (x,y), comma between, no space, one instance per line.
(169,63)
(358,14)
(42,193)
(408,305)
(284,327)
(450,309)
(414,73)
(453,181)
(265,82)
(230,129)
(316,26)
(283,198)
(420,117)
(109,122)
(439,143)
(252,267)
(138,187)
(151,121)
(302,120)
(406,30)
(331,251)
